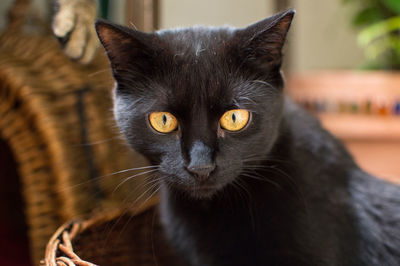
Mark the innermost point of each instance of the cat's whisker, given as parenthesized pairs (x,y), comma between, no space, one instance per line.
(267,160)
(249,204)
(104,176)
(98,142)
(131,169)
(141,205)
(293,184)
(98,72)
(133,176)
(132,25)
(238,189)
(250,175)
(242,186)
(157,182)
(264,157)
(246,198)
(251,171)
(255,166)
(153,183)
(141,196)
(147,181)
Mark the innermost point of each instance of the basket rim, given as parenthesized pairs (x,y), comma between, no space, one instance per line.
(61,240)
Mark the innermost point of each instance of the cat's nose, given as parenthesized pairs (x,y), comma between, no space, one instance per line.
(201,162)
(201,171)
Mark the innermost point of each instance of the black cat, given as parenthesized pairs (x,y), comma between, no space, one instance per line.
(248,177)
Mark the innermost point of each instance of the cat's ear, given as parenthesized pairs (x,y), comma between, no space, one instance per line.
(125,47)
(263,41)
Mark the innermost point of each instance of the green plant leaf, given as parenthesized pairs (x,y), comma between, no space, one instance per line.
(377,30)
(367,16)
(382,45)
(393,5)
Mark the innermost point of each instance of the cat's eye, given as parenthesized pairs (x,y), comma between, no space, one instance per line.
(234,120)
(163,122)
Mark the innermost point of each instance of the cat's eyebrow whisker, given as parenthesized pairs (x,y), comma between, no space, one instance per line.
(130,177)
(263,82)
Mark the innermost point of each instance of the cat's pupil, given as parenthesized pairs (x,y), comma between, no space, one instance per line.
(164,119)
(233,117)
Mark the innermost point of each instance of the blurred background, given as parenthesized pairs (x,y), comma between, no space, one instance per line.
(58,143)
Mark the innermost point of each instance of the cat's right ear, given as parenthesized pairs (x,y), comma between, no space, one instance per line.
(125,47)
(262,42)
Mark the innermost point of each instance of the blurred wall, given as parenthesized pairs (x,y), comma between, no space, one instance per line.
(239,13)
(117,11)
(321,36)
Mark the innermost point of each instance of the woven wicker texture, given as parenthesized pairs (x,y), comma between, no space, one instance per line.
(119,237)
(55,115)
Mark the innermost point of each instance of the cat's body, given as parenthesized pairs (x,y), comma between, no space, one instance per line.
(278,191)
(327,211)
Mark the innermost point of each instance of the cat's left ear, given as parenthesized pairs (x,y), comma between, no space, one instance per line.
(263,41)
(126,48)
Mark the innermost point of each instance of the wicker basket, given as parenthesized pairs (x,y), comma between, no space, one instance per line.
(55,117)
(119,237)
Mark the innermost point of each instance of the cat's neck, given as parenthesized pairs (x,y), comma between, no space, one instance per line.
(264,215)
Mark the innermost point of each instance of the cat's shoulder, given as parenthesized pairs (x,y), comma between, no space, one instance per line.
(309,139)
(377,206)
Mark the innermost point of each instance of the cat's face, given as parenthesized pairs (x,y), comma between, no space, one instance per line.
(203,103)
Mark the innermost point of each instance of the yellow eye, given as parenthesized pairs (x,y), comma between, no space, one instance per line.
(163,122)
(234,120)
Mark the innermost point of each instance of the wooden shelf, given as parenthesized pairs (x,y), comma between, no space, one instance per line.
(373,139)
(362,127)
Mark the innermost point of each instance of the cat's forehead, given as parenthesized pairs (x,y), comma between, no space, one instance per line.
(196,65)
(197,39)
(199,69)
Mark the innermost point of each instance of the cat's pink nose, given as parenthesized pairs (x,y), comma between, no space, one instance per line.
(201,171)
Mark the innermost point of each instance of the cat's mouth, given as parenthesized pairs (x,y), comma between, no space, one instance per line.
(199,188)
(203,191)
(203,188)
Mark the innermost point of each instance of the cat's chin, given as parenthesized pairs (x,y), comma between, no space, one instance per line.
(203,192)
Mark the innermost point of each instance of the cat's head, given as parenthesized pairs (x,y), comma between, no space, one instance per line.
(201,102)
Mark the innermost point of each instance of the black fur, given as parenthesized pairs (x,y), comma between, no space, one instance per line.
(284,191)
